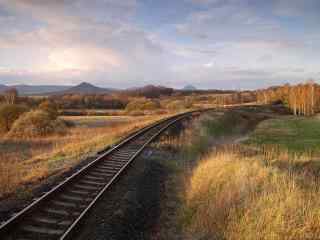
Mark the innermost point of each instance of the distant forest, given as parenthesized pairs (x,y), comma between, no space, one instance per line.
(301,99)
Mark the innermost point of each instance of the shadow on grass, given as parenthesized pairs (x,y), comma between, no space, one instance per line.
(308,168)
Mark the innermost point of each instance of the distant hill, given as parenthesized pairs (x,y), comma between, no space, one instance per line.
(39,89)
(149,91)
(189,88)
(34,89)
(86,88)
(3,88)
(82,88)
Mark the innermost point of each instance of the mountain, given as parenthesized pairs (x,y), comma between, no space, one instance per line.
(83,88)
(189,88)
(34,89)
(3,88)
(38,89)
(86,88)
(150,91)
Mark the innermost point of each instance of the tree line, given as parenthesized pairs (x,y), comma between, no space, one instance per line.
(68,101)
(149,91)
(92,101)
(302,99)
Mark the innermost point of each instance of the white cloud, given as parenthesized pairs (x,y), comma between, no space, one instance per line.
(229,21)
(80,42)
(103,41)
(83,59)
(209,64)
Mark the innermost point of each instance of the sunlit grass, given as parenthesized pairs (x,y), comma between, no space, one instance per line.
(295,134)
(25,162)
(233,196)
(263,190)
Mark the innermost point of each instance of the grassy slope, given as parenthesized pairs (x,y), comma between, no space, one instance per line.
(232,196)
(195,143)
(268,193)
(294,134)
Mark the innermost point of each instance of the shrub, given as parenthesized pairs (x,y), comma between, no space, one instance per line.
(50,107)
(179,105)
(11,96)
(161,112)
(228,124)
(136,113)
(143,104)
(37,123)
(8,114)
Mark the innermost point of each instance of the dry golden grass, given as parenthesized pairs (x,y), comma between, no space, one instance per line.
(232,195)
(25,162)
(10,174)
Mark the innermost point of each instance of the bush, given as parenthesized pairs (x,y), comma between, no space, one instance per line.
(228,124)
(136,113)
(8,114)
(37,123)
(161,112)
(50,107)
(179,105)
(143,104)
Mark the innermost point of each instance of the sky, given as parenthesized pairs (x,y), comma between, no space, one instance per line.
(224,44)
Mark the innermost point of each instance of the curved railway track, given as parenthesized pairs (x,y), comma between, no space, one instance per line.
(57,213)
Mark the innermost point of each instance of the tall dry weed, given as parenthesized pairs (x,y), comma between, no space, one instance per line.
(232,196)
(10,174)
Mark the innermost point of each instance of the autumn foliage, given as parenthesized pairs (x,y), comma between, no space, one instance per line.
(8,114)
(37,123)
(302,99)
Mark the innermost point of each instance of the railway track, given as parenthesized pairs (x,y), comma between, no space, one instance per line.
(57,214)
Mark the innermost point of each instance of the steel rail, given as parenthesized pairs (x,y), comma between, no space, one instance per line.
(115,178)
(11,224)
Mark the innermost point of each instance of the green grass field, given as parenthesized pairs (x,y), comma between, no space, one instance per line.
(295,134)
